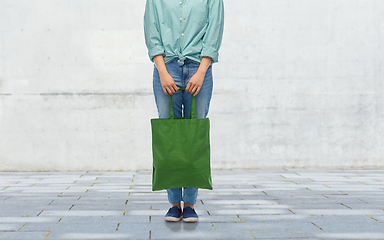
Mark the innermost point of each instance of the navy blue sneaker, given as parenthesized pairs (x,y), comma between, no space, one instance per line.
(189,215)
(173,215)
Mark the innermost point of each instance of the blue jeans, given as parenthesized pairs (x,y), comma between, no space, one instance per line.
(181,103)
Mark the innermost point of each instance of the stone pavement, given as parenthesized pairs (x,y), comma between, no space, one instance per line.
(257,204)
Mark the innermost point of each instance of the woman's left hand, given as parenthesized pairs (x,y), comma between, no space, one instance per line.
(195,83)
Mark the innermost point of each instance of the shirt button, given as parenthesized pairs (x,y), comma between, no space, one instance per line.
(180,2)
(182,34)
(181,19)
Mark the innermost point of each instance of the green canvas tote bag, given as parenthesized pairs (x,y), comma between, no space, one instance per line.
(181,151)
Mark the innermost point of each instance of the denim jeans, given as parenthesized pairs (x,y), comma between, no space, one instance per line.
(181,103)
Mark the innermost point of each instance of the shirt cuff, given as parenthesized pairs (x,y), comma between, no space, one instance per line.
(155,51)
(210,52)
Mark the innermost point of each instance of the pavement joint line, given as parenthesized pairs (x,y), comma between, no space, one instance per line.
(311,179)
(291,211)
(276,201)
(377,180)
(254,186)
(343,193)
(71,207)
(324,196)
(17,182)
(78,198)
(374,219)
(22,227)
(283,176)
(60,194)
(201,201)
(150,219)
(51,202)
(60,219)
(252,234)
(124,212)
(40,213)
(75,181)
(308,189)
(150,233)
(362,200)
(327,186)
(6,187)
(317,226)
(67,188)
(8,198)
(87,190)
(118,224)
(47,235)
(126,202)
(96,178)
(208,213)
(363,183)
(293,182)
(264,193)
(345,205)
(33,184)
(238,216)
(213,226)
(129,194)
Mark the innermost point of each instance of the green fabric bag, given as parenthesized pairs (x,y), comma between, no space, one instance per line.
(181,152)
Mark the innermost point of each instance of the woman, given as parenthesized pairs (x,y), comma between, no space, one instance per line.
(183,38)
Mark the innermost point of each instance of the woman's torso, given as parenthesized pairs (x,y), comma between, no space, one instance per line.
(181,25)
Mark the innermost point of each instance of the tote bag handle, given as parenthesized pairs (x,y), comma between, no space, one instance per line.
(192,114)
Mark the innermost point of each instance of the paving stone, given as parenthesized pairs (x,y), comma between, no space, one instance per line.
(27,219)
(21,235)
(282,234)
(351,235)
(13,226)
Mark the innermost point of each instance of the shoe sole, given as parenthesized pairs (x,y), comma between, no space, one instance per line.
(172,219)
(191,219)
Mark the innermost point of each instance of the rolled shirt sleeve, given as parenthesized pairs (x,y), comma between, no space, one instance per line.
(213,36)
(151,31)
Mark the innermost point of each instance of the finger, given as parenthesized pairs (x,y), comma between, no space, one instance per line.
(191,87)
(171,90)
(197,91)
(175,88)
(168,91)
(194,89)
(165,91)
(187,88)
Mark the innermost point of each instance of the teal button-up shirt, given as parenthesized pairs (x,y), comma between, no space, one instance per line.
(184,29)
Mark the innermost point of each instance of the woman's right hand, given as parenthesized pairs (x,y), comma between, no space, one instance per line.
(168,83)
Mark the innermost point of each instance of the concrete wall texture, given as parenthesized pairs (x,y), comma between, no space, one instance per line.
(299,83)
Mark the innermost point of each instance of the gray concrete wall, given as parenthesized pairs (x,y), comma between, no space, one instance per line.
(298,84)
